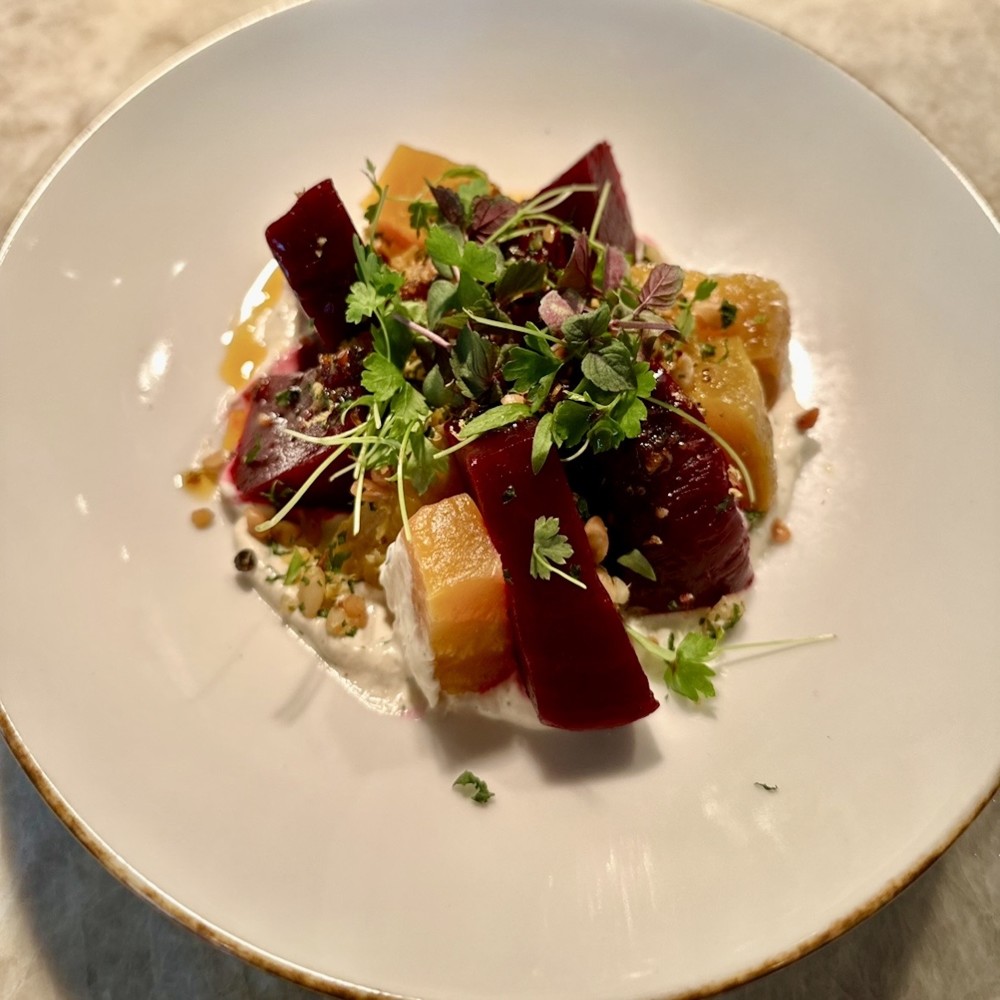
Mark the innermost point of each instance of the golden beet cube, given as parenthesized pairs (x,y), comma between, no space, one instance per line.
(460,596)
(405,179)
(754,309)
(721,378)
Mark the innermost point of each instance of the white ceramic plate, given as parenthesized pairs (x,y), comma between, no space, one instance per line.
(198,749)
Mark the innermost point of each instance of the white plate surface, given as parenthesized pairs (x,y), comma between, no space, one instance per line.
(200,750)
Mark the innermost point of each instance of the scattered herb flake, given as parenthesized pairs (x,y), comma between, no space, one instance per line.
(473,787)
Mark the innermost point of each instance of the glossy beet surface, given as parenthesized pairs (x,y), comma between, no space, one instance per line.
(595,167)
(313,243)
(269,465)
(667,493)
(577,663)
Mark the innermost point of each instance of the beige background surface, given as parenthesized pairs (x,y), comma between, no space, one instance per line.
(67,930)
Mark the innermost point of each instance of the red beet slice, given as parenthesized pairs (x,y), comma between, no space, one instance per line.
(577,663)
(313,244)
(269,465)
(595,167)
(667,494)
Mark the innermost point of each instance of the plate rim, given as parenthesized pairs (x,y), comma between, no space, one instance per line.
(299,975)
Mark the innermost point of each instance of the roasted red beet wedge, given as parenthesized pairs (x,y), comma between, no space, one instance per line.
(313,244)
(595,167)
(667,494)
(577,663)
(269,465)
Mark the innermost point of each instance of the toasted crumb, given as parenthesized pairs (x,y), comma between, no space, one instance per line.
(203,517)
(806,420)
(780,532)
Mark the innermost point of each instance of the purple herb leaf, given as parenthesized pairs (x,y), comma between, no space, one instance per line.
(661,287)
(449,205)
(615,268)
(577,273)
(554,310)
(489,214)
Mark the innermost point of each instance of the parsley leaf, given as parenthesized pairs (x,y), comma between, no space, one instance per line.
(381,378)
(549,550)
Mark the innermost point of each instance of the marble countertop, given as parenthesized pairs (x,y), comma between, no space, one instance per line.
(68,930)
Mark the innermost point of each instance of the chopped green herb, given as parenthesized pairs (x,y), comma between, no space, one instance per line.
(295,567)
(727,313)
(474,787)
(766,786)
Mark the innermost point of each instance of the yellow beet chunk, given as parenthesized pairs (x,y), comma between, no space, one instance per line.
(460,595)
(725,384)
(760,320)
(405,178)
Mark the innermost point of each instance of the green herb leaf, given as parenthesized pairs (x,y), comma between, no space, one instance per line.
(525,368)
(549,550)
(444,245)
(473,362)
(586,331)
(541,443)
(519,277)
(727,313)
(442,297)
(490,420)
(474,787)
(571,421)
(436,392)
(638,563)
(295,567)
(381,378)
(610,368)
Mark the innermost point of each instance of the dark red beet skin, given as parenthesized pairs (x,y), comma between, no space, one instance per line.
(269,465)
(577,663)
(595,167)
(666,493)
(313,244)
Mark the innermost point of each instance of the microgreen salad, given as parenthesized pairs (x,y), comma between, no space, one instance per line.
(513,431)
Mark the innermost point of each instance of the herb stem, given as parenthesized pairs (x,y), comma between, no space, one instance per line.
(602,201)
(423,331)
